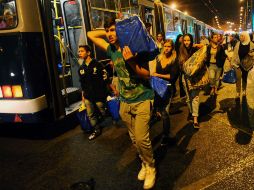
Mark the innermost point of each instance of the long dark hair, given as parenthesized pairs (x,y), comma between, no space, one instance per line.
(185,53)
(178,43)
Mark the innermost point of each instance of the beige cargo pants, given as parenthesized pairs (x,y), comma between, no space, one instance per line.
(136,117)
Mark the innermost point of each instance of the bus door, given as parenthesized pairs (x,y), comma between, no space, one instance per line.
(67,28)
(196,31)
(184,26)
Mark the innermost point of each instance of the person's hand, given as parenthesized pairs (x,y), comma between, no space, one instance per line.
(116,93)
(251,54)
(82,107)
(155,75)
(127,54)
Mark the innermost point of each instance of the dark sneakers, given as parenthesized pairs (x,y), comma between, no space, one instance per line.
(96,133)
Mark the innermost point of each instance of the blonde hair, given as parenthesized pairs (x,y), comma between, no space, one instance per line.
(172,57)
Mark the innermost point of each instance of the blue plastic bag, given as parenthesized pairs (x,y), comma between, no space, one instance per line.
(114,106)
(160,86)
(132,32)
(230,76)
(84,121)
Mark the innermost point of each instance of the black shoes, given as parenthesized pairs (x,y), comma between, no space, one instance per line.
(96,133)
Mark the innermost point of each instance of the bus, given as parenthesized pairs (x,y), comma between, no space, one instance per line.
(39,41)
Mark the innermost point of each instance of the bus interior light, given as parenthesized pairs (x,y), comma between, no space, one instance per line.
(7,93)
(17,91)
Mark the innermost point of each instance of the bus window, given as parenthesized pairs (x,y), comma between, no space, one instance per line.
(98,3)
(125,4)
(8,14)
(98,17)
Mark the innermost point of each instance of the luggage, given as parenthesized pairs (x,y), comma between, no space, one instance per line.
(230,76)
(195,63)
(132,32)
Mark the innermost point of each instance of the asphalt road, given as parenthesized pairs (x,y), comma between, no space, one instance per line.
(220,155)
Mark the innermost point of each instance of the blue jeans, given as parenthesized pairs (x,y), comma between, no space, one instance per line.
(214,75)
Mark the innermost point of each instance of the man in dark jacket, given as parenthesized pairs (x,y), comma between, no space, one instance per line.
(94,80)
(215,60)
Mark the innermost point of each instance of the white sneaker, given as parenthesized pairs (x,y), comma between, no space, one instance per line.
(142,173)
(150,177)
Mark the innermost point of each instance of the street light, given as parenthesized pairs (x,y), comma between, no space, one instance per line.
(173,6)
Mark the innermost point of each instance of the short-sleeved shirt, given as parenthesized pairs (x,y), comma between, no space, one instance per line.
(132,88)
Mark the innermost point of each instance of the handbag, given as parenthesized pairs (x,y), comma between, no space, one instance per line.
(114,107)
(160,86)
(132,32)
(84,121)
(247,62)
(230,76)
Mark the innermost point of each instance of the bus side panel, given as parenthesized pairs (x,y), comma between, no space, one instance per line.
(24,64)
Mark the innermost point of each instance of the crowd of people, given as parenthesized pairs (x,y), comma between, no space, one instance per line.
(138,101)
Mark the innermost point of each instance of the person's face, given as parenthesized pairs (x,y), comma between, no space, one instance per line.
(167,48)
(231,38)
(186,41)
(159,37)
(242,38)
(219,37)
(82,53)
(111,34)
(215,39)
(181,39)
(9,21)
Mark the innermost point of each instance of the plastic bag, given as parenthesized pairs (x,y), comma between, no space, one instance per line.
(230,76)
(114,107)
(132,32)
(160,86)
(84,121)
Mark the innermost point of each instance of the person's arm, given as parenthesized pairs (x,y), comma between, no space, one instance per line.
(97,37)
(113,88)
(168,77)
(130,59)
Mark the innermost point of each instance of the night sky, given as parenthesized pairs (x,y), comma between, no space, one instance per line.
(228,10)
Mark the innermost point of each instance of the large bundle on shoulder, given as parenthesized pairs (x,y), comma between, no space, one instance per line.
(195,70)
(132,32)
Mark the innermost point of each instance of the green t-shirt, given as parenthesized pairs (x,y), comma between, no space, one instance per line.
(132,88)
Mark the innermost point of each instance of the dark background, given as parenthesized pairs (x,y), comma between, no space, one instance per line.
(205,10)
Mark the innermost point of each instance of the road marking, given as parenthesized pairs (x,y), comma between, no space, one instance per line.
(221,175)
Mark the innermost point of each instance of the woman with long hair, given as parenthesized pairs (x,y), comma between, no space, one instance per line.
(191,87)
(165,67)
(241,50)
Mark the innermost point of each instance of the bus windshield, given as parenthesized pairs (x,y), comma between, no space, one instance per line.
(8,14)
